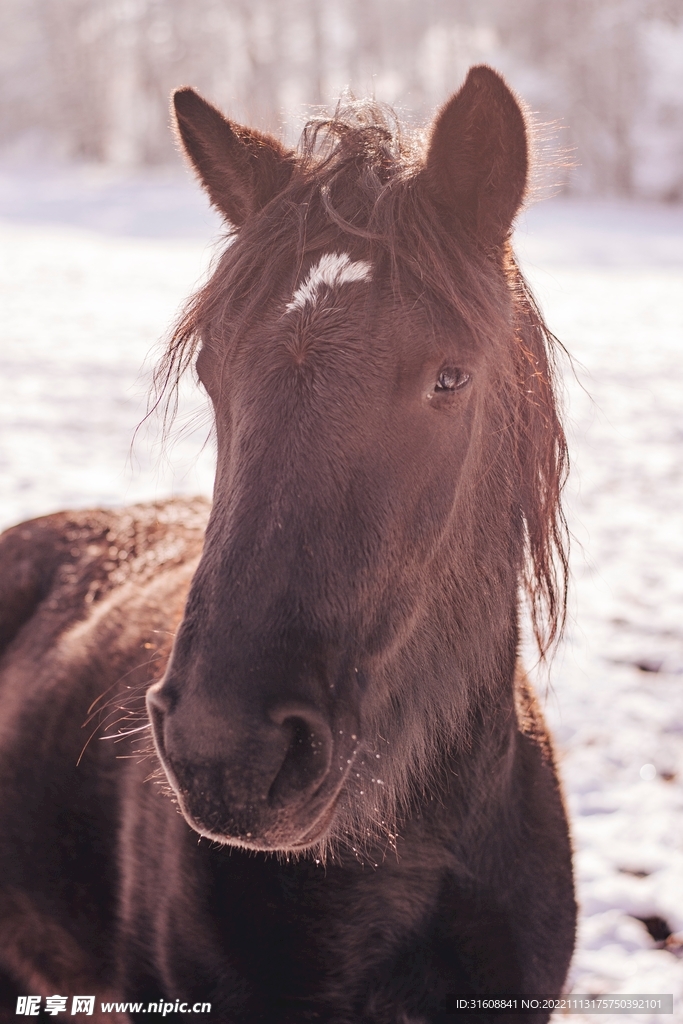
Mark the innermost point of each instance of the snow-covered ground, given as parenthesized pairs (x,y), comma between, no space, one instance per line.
(92,271)
(610,278)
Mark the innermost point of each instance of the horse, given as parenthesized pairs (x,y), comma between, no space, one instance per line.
(332,796)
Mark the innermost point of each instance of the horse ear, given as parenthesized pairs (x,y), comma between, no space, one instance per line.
(477,160)
(241,169)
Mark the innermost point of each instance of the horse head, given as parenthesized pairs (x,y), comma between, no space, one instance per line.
(388,467)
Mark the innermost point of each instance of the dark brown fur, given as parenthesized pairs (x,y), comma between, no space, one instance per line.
(342,713)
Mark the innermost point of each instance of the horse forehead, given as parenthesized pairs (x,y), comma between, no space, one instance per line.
(332,271)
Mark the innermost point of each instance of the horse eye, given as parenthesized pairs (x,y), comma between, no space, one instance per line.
(451,379)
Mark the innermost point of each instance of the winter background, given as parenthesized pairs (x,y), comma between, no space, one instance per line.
(102,235)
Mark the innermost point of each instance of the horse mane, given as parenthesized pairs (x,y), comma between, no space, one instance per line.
(359,174)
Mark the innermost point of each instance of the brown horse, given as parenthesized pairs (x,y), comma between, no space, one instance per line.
(359,818)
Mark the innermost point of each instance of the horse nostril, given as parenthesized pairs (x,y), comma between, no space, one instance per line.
(308,757)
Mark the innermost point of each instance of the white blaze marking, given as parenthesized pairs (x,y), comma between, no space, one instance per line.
(332,269)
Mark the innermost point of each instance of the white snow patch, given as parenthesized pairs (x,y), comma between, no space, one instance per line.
(332,270)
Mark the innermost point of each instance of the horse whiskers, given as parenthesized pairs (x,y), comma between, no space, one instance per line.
(92,710)
(129,732)
(101,724)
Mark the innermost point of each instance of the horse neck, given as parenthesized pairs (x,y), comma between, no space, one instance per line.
(472,610)
(453,681)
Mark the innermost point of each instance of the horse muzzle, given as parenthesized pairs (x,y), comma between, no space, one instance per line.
(269,784)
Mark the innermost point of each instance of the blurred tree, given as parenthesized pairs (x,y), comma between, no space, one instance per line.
(90,79)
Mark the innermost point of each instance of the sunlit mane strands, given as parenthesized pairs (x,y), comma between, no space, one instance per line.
(342,717)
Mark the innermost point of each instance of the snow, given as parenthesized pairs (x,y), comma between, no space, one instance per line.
(83,311)
(610,278)
(92,271)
